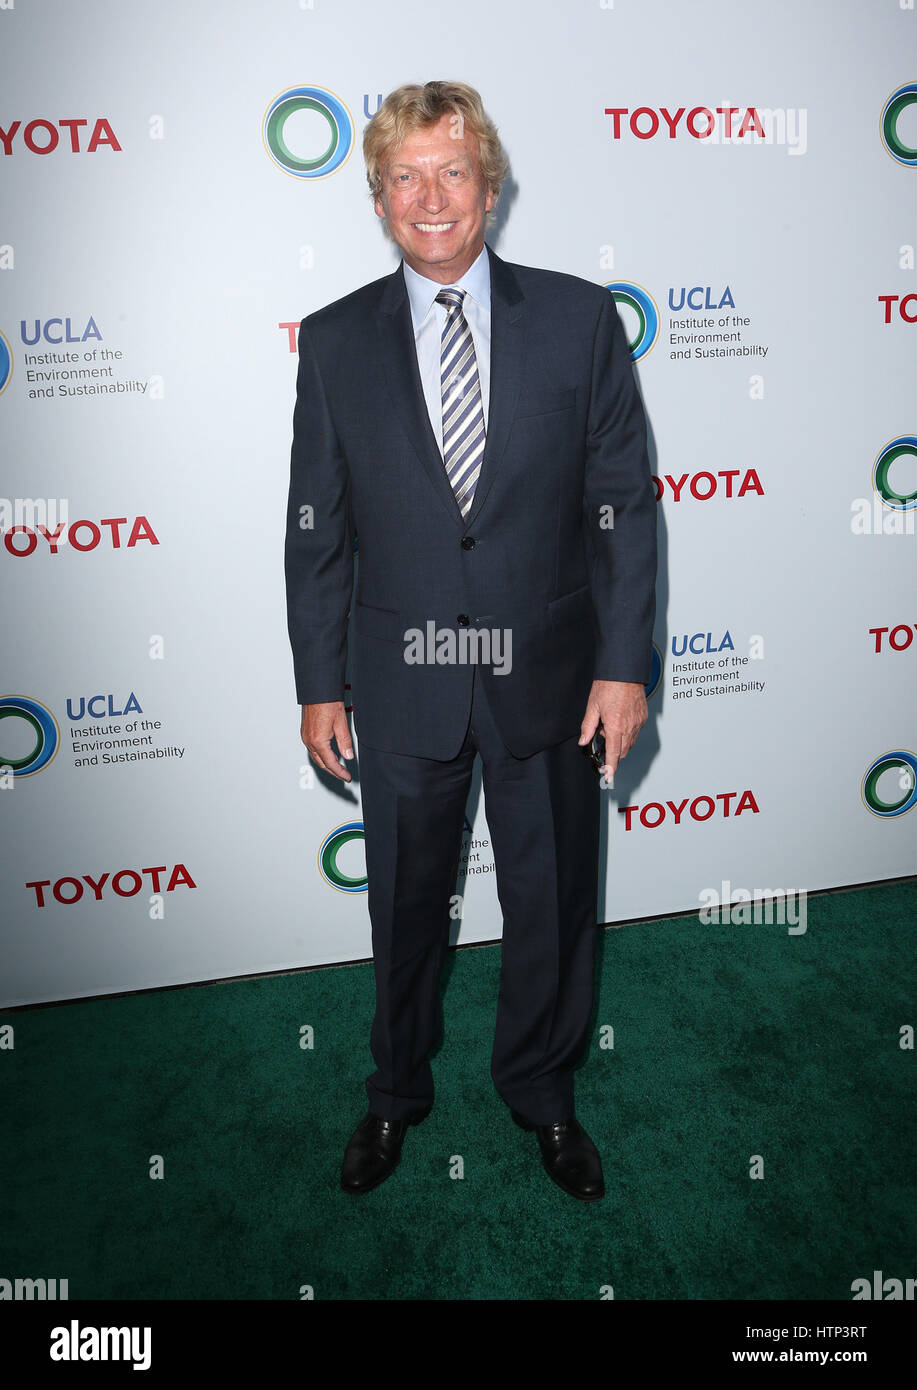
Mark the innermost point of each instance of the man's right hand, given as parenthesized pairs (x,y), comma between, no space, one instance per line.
(321,723)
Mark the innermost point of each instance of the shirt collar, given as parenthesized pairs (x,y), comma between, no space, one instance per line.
(422,292)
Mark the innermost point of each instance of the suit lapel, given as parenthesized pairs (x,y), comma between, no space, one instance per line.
(398,353)
(507,368)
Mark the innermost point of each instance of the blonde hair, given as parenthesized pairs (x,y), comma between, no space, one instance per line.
(412,107)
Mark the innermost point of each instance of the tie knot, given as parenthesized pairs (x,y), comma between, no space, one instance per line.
(451,298)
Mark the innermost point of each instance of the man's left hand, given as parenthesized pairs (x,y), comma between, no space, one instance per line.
(619,708)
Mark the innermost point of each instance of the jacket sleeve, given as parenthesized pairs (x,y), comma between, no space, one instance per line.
(318,558)
(620,509)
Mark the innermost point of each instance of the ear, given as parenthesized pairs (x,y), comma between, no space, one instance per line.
(378,208)
(489,201)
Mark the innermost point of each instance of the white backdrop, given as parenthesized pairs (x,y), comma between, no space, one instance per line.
(152,242)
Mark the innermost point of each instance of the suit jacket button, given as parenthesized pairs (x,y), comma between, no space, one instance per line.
(463,620)
(468,542)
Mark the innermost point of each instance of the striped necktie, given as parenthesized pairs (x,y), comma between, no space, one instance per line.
(463,410)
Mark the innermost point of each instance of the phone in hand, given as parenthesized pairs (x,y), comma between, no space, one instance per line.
(596,750)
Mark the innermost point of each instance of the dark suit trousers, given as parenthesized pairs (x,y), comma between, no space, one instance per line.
(543,817)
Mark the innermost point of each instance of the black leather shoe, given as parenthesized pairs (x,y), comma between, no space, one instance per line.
(569,1157)
(374,1149)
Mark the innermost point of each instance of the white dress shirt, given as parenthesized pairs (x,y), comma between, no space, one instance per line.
(429,319)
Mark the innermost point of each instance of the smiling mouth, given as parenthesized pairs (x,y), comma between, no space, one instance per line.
(433,226)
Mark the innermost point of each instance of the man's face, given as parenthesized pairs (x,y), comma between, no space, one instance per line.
(434,199)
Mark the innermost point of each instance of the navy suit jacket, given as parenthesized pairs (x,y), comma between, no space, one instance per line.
(540,555)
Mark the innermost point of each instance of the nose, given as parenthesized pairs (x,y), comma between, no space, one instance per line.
(432,194)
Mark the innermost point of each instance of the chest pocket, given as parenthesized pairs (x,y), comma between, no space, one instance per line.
(544,402)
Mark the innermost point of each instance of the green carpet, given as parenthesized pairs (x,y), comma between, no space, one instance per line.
(729,1042)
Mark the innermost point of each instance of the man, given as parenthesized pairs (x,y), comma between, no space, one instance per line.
(476,425)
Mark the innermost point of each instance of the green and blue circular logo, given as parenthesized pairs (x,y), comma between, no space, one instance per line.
(6,362)
(652,684)
(891,112)
(641,303)
(318,142)
(30,742)
(904,447)
(328,858)
(890,785)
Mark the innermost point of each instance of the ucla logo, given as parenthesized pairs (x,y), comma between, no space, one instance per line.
(328,856)
(905,446)
(655,673)
(898,102)
(701,643)
(897,772)
(642,303)
(57,331)
(6,363)
(698,298)
(332,150)
(43,726)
